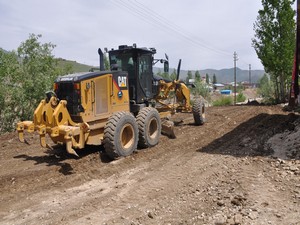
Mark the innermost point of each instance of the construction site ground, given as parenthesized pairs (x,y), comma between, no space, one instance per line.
(241,167)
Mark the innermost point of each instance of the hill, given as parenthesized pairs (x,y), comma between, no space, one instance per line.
(227,75)
(64,63)
(223,75)
(76,67)
(3,50)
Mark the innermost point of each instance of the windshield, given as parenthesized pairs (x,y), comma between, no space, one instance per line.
(122,62)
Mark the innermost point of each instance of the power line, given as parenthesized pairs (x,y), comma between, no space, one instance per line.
(174,26)
(140,10)
(140,14)
(149,16)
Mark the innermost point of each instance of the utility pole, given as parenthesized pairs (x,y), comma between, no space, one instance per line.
(249,74)
(235,58)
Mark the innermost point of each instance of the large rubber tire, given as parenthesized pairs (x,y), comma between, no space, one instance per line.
(120,135)
(149,125)
(198,110)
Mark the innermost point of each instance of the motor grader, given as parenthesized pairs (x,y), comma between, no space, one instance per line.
(122,109)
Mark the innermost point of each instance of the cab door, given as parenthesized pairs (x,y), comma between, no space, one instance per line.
(145,77)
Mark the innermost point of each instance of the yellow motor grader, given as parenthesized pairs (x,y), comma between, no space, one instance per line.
(122,109)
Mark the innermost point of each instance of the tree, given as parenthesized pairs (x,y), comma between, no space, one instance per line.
(25,76)
(9,70)
(207,79)
(266,89)
(38,69)
(189,76)
(197,76)
(201,89)
(163,75)
(214,79)
(158,73)
(274,42)
(173,75)
(106,62)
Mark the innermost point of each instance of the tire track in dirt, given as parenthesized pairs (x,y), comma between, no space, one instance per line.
(177,170)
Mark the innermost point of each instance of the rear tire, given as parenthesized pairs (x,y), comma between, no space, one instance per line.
(149,125)
(198,110)
(120,135)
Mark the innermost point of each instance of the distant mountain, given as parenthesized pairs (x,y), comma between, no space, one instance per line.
(223,75)
(227,75)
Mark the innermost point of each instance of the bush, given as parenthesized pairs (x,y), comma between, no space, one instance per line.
(223,101)
(240,97)
(201,89)
(267,90)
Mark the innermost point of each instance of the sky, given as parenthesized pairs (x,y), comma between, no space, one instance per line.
(203,33)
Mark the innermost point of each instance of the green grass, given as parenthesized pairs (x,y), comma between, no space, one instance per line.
(223,101)
(240,97)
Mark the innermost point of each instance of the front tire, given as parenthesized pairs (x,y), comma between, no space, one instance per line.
(149,125)
(198,110)
(120,135)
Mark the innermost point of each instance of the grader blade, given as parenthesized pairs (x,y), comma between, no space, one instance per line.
(167,128)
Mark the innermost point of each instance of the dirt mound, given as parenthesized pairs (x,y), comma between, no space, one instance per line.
(259,137)
(241,167)
(253,102)
(286,144)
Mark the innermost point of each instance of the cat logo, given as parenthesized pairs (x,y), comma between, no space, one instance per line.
(122,81)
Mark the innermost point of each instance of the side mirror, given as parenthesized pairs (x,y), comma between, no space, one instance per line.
(166,66)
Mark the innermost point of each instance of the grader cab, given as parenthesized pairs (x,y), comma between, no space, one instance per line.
(122,109)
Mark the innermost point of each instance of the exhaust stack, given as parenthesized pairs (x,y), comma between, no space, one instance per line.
(101,57)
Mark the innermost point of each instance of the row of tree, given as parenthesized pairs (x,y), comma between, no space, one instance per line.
(198,77)
(25,75)
(274,43)
(190,76)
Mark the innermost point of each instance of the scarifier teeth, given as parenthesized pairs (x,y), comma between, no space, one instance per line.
(70,150)
(48,146)
(21,136)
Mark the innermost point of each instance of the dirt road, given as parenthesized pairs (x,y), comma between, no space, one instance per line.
(241,167)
